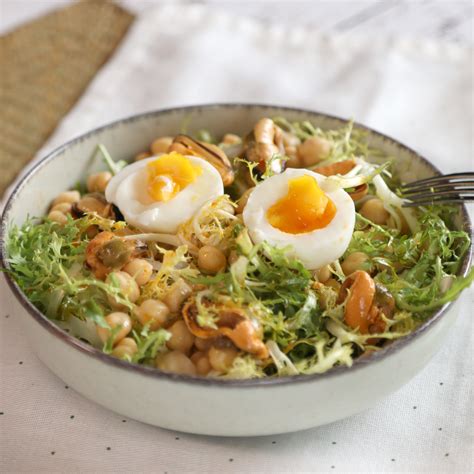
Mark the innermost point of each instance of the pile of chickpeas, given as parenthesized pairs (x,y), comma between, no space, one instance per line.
(186,354)
(64,202)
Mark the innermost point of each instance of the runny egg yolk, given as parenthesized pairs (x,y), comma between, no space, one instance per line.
(305,208)
(169,174)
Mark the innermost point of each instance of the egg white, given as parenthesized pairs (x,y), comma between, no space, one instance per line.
(316,248)
(128,191)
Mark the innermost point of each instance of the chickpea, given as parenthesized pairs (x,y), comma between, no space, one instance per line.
(221,359)
(92,231)
(198,287)
(181,338)
(231,139)
(196,356)
(201,361)
(161,145)
(289,139)
(175,362)
(139,269)
(374,210)
(152,312)
(126,347)
(242,202)
(333,283)
(142,155)
(93,203)
(64,207)
(179,148)
(354,261)
(177,294)
(68,196)
(96,183)
(292,153)
(323,274)
(128,288)
(115,320)
(202,344)
(58,217)
(211,259)
(313,150)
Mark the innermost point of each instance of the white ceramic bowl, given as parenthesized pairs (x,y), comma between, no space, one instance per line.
(198,405)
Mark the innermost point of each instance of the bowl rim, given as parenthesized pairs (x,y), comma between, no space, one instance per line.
(152,372)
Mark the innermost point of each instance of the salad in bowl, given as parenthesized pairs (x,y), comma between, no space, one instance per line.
(281,251)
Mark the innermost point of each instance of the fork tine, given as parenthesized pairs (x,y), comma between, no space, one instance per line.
(461,185)
(444,200)
(441,194)
(440,179)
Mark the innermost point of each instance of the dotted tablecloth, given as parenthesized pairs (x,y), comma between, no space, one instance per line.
(417,91)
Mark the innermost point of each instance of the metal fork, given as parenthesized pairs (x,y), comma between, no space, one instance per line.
(446,189)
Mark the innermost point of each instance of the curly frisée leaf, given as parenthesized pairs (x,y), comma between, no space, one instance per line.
(149,343)
(392,202)
(95,313)
(335,182)
(244,367)
(47,262)
(211,225)
(415,267)
(277,280)
(327,356)
(176,264)
(263,273)
(281,360)
(344,335)
(304,317)
(458,285)
(208,314)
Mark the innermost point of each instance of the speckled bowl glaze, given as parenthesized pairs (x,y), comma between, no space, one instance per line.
(198,405)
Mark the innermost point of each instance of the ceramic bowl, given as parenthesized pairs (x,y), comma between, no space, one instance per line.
(198,405)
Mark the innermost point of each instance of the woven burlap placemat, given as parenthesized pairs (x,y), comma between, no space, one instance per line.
(45,66)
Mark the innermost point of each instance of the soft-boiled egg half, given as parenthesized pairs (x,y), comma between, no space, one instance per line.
(160,193)
(293,210)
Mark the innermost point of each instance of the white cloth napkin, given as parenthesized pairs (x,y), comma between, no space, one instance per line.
(418,92)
